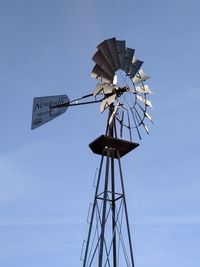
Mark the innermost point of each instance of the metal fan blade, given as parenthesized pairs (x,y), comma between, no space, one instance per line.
(113,114)
(112,44)
(100,60)
(100,74)
(115,80)
(43,110)
(145,113)
(98,89)
(108,89)
(107,102)
(103,89)
(140,77)
(145,101)
(143,89)
(121,48)
(104,48)
(148,116)
(128,59)
(145,127)
(135,66)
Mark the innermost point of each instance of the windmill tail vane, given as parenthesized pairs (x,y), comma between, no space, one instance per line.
(48,108)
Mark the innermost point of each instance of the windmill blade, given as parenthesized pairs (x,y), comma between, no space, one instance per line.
(113,114)
(145,113)
(98,89)
(145,127)
(104,48)
(143,89)
(140,77)
(103,89)
(135,66)
(107,102)
(108,89)
(100,60)
(115,80)
(121,48)
(145,101)
(43,111)
(112,44)
(128,59)
(148,116)
(100,74)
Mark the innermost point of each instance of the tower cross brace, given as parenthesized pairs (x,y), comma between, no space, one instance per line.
(109,235)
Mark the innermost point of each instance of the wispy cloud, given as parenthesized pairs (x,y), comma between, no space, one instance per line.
(169,221)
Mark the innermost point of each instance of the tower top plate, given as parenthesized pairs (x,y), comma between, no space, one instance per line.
(123,146)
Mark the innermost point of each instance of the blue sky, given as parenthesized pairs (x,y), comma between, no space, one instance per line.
(46,175)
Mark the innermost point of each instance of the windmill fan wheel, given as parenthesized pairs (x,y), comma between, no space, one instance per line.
(121,81)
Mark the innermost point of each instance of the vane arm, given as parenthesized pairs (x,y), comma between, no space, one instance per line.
(49,107)
(84,103)
(71,103)
(85,96)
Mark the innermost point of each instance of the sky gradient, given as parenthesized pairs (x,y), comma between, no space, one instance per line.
(46,175)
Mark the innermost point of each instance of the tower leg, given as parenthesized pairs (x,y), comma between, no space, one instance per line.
(126,211)
(93,213)
(113,210)
(103,222)
(109,239)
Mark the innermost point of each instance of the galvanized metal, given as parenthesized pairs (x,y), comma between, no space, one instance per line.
(100,60)
(143,89)
(144,100)
(135,68)
(107,102)
(105,49)
(128,59)
(102,246)
(112,44)
(140,77)
(113,57)
(100,74)
(106,235)
(103,89)
(121,48)
(42,111)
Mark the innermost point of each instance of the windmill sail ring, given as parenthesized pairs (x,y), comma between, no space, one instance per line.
(121,81)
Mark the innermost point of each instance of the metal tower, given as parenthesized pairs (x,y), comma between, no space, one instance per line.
(109,237)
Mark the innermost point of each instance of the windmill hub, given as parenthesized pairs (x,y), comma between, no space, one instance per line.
(122,90)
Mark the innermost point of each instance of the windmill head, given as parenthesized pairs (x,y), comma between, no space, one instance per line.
(128,96)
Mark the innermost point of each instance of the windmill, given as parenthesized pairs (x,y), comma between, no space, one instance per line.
(121,91)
